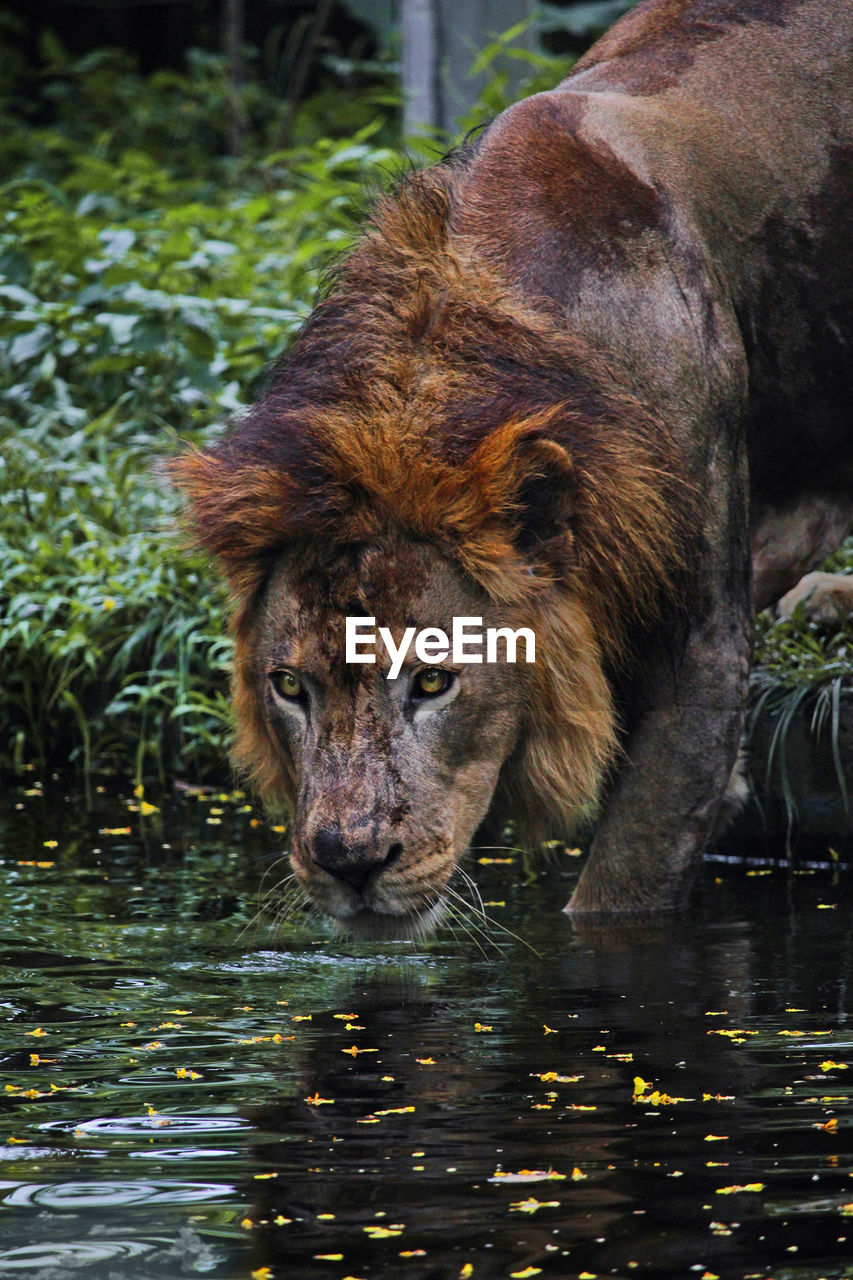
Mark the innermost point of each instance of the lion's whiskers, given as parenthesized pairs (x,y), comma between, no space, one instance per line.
(487,920)
(280,902)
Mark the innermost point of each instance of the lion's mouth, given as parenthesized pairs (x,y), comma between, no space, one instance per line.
(364,916)
(382,906)
(385,926)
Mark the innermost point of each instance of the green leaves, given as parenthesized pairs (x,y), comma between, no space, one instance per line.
(138,304)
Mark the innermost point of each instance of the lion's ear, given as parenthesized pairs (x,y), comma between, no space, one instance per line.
(545,498)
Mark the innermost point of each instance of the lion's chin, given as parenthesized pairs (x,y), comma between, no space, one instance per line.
(377,925)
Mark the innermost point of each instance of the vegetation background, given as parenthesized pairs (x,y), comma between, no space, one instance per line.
(162,234)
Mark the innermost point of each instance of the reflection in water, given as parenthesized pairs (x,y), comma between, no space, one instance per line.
(653,1098)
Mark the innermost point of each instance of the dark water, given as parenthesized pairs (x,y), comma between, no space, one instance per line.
(188,1092)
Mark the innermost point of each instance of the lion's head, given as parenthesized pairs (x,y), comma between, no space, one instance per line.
(431,448)
(390,777)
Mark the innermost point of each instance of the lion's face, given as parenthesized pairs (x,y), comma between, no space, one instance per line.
(391,776)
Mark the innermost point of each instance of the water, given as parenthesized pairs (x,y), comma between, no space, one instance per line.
(187,1091)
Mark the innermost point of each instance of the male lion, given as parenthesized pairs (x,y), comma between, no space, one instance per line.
(569,379)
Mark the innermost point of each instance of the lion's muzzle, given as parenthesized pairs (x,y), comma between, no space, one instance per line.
(355,865)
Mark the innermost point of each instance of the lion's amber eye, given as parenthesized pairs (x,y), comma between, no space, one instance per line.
(432,681)
(286,684)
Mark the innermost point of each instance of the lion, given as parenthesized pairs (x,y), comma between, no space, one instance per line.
(589,375)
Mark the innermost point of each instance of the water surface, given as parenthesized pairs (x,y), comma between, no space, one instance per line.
(188,1090)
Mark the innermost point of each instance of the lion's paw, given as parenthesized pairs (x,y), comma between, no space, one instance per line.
(826,598)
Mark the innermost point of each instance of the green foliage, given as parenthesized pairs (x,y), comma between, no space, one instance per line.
(498,60)
(803,668)
(138,304)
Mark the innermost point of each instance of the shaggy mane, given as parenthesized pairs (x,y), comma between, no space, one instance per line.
(417,400)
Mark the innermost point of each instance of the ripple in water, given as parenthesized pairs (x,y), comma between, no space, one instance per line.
(105,1195)
(128,1126)
(70,1253)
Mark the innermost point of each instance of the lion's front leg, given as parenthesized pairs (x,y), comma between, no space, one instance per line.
(660,812)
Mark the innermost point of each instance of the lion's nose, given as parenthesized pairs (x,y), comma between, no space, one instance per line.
(353,864)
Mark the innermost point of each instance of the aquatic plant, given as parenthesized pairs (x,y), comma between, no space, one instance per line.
(803,671)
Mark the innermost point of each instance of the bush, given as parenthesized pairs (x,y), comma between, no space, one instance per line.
(138,304)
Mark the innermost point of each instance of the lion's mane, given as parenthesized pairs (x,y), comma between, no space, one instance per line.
(422,397)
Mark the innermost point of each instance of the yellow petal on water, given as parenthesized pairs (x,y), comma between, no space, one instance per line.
(317,1101)
(466,1272)
(426,1062)
(716,1137)
(532,1205)
(737,1188)
(146,809)
(526,1273)
(528,1175)
(549,1031)
(578,1175)
(829,1065)
(482,1026)
(329,1257)
(262,1273)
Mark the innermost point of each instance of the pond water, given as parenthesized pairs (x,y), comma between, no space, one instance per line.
(191,1090)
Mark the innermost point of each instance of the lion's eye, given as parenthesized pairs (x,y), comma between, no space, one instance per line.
(287,684)
(432,681)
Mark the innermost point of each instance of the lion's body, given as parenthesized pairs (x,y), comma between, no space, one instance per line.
(552,385)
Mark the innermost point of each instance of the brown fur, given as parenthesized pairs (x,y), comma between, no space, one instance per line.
(546,385)
(397,451)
